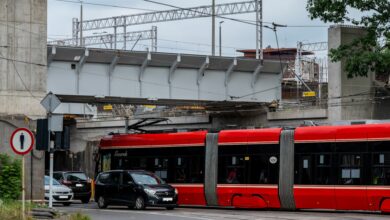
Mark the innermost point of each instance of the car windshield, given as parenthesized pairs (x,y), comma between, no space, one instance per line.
(75,176)
(146,179)
(47,181)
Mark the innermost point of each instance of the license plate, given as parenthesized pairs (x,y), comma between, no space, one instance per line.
(167,199)
(64,197)
(79,185)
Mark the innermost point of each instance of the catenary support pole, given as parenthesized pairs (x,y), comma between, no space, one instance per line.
(81,25)
(220,38)
(259,29)
(213,29)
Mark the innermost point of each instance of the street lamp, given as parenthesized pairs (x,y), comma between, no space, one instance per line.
(220,37)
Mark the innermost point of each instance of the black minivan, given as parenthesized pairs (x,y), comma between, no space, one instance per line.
(135,189)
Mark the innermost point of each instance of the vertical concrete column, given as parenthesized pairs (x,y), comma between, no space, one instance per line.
(23,76)
(23,73)
(349,99)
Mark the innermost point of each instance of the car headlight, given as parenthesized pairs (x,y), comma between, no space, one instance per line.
(176,191)
(150,191)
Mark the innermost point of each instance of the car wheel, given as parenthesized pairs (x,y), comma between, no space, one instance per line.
(66,203)
(85,200)
(139,203)
(170,208)
(102,203)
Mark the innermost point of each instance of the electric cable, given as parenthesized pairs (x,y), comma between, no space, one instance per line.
(106,5)
(21,79)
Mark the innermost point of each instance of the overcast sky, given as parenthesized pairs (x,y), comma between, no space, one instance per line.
(235,35)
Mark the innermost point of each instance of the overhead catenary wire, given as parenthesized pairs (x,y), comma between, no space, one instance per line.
(106,5)
(204,13)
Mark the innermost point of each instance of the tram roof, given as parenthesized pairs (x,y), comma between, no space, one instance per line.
(344,133)
(328,134)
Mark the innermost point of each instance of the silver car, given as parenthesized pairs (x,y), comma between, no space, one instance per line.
(61,194)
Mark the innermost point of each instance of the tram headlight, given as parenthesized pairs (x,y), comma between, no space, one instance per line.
(176,191)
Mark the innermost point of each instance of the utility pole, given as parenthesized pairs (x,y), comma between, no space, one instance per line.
(115,33)
(213,29)
(259,29)
(125,32)
(220,38)
(81,24)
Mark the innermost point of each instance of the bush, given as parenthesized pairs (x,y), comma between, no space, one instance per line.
(10,178)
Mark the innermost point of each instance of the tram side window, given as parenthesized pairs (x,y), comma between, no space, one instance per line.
(262,164)
(161,168)
(303,169)
(323,169)
(120,159)
(313,164)
(380,162)
(350,169)
(263,169)
(381,169)
(196,173)
(106,162)
(231,164)
(181,170)
(179,165)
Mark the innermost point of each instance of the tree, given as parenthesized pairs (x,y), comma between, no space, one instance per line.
(368,53)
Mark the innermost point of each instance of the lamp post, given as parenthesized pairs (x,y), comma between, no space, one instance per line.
(220,38)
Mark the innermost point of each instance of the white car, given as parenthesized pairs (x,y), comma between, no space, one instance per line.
(61,194)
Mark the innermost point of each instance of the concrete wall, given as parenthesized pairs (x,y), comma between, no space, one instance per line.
(348,98)
(34,161)
(23,73)
(23,50)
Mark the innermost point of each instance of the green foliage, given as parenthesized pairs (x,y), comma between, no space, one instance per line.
(10,178)
(369,53)
(79,216)
(12,210)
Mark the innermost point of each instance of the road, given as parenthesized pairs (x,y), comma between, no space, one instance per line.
(119,213)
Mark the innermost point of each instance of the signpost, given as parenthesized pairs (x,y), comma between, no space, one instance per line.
(50,103)
(22,142)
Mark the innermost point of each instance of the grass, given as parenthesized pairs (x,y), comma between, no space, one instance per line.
(12,210)
(79,216)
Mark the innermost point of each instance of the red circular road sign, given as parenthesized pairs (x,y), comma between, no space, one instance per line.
(22,141)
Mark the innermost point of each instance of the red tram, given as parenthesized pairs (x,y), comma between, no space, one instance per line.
(322,167)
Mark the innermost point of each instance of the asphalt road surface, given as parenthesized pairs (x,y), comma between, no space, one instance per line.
(119,213)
